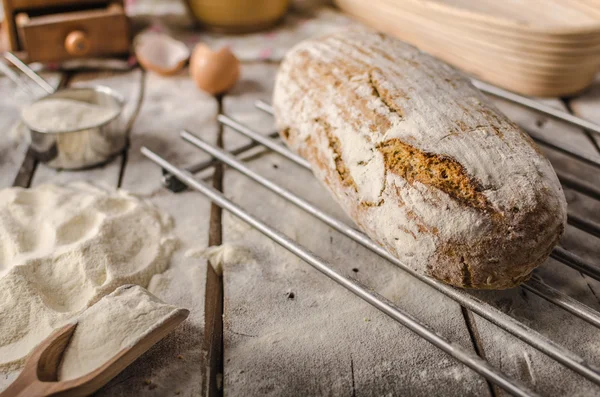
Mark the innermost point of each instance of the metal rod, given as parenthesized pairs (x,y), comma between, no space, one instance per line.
(263,140)
(269,143)
(471,360)
(485,310)
(23,67)
(265,107)
(576,262)
(563,301)
(11,74)
(537,106)
(568,150)
(580,186)
(171,183)
(583,224)
(555,297)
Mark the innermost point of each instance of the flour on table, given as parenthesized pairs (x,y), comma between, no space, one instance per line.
(64,248)
(58,114)
(117,321)
(218,255)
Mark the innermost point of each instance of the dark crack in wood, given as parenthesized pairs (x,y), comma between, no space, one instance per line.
(26,171)
(352,374)
(478,345)
(212,346)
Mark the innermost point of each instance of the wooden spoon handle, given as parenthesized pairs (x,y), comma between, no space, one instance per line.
(39,375)
(22,387)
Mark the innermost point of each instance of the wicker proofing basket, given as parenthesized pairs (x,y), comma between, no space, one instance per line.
(555,56)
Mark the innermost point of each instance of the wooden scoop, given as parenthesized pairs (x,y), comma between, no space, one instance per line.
(40,374)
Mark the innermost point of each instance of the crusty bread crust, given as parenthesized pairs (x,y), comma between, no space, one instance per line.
(420,159)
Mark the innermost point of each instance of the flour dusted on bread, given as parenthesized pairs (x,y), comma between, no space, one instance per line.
(420,159)
(62,248)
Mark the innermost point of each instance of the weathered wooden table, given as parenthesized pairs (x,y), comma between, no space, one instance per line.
(270,325)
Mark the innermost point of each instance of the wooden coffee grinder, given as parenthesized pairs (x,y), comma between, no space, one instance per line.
(57,30)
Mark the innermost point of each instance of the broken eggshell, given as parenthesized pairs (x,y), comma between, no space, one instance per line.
(214,71)
(160,53)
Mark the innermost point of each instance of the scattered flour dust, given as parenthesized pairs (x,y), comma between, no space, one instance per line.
(62,248)
(58,114)
(219,255)
(117,321)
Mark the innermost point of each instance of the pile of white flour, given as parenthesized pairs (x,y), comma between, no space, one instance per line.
(62,249)
(58,114)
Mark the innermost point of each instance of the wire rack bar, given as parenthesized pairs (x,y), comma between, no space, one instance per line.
(464,356)
(566,149)
(478,306)
(567,303)
(580,186)
(265,107)
(537,106)
(172,183)
(583,224)
(269,143)
(576,262)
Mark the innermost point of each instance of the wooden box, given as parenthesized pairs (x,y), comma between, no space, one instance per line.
(57,30)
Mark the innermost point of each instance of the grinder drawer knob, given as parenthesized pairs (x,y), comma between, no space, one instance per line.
(77,43)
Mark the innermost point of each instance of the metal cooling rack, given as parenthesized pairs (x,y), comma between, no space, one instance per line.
(176,179)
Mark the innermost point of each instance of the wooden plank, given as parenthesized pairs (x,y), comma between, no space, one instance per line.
(129,85)
(170,105)
(212,346)
(243,302)
(13,148)
(176,366)
(213,319)
(290,331)
(16,167)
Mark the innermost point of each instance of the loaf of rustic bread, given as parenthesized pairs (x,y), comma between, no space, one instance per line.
(420,159)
